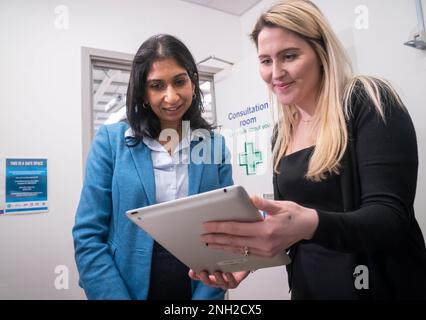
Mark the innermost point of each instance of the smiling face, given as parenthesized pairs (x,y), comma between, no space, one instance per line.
(290,67)
(169,91)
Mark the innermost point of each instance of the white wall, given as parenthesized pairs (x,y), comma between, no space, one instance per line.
(40,112)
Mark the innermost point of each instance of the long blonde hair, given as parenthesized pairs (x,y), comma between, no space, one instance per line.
(336,88)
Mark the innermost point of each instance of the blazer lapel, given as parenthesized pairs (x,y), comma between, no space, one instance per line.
(143,162)
(195,172)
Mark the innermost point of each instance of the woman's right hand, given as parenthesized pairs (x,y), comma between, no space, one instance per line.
(222,280)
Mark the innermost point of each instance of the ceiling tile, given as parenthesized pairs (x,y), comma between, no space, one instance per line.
(234,7)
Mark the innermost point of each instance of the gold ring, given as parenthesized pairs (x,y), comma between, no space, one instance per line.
(246,251)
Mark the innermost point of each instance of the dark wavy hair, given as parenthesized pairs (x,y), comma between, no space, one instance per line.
(144,121)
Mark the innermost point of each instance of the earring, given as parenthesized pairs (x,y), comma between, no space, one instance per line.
(145,105)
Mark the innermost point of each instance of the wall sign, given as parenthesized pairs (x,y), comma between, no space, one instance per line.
(250,158)
(23,186)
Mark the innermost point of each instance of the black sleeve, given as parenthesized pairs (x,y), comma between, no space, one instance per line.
(277,195)
(386,152)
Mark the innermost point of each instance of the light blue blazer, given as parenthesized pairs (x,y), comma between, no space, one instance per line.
(113,255)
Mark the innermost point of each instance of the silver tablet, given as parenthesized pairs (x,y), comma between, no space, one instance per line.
(177,226)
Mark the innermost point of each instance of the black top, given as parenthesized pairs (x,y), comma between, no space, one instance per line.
(373,217)
(169,277)
(317,272)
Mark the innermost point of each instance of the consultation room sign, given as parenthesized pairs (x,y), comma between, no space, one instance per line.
(24,186)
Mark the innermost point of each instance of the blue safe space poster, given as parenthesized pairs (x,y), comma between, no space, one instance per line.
(24,186)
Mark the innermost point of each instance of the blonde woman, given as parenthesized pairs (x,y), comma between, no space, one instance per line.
(345,171)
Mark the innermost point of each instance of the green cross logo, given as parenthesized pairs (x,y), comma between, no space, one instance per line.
(250,158)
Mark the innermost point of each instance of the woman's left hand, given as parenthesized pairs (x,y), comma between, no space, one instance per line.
(285,224)
(219,279)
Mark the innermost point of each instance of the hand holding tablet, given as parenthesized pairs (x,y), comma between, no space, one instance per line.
(177,226)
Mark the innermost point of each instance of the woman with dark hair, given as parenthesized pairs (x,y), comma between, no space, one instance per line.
(147,159)
(143,119)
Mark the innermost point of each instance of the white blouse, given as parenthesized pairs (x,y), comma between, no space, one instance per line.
(170,171)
